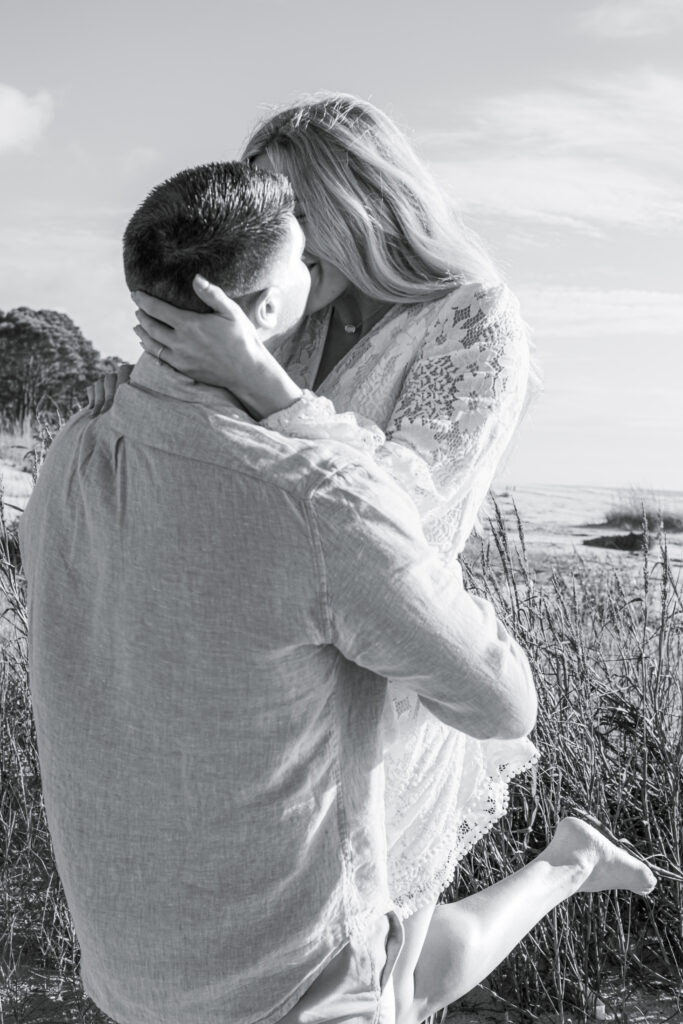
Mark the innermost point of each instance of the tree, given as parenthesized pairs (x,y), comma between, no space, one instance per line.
(44,358)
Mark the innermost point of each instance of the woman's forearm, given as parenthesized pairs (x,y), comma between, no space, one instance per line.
(269,391)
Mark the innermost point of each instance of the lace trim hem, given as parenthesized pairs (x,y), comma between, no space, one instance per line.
(478,825)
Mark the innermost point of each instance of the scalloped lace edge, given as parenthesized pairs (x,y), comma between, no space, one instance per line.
(483,821)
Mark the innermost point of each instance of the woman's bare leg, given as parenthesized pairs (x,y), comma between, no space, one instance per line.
(467,939)
(415,930)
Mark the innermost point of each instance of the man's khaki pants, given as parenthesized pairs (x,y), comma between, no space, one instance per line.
(356,987)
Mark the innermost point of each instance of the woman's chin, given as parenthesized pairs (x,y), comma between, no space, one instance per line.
(323,291)
(314,305)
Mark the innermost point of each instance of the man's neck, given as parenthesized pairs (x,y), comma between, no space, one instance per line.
(159,378)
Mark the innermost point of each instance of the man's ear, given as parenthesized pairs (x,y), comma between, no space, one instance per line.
(266,308)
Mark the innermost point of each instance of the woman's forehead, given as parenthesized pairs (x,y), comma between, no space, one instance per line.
(264,163)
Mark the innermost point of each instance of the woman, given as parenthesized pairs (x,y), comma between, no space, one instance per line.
(410,328)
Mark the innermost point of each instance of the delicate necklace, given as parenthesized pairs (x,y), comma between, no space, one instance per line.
(352,328)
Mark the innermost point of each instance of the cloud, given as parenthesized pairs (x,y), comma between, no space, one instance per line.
(22,118)
(600,313)
(565,192)
(602,152)
(621,19)
(638,116)
(610,411)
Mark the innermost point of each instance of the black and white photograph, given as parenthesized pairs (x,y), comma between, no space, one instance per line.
(341,512)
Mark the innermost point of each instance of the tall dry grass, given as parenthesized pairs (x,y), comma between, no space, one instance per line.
(605,646)
(16,441)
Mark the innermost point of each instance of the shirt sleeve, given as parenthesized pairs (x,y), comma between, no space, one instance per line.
(393,608)
(455,415)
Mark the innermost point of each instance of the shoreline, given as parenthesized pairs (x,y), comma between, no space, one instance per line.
(556,521)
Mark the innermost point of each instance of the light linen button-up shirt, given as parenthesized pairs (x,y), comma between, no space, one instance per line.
(214,608)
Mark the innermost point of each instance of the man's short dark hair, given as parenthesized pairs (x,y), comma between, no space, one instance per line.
(223,220)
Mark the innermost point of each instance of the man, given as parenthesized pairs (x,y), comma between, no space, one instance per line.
(214,611)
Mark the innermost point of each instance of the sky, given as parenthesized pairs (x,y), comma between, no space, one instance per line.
(555,127)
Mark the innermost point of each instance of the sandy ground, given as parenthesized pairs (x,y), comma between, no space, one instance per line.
(52,1004)
(641,1008)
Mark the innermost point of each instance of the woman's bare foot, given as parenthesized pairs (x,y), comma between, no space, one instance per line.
(604,864)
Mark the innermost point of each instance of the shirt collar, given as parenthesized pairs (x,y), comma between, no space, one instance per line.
(149,374)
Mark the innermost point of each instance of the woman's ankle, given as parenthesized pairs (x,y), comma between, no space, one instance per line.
(563,871)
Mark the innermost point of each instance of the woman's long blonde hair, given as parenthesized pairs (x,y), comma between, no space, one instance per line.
(372,208)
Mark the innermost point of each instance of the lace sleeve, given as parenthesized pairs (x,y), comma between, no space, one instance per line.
(316,418)
(458,407)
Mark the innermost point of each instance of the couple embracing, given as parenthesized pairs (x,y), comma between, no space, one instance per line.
(270,720)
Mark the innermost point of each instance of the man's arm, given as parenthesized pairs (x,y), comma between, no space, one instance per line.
(394,609)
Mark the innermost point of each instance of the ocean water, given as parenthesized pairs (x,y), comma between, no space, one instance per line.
(558,519)
(569,506)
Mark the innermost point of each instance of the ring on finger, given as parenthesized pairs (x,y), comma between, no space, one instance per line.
(158,355)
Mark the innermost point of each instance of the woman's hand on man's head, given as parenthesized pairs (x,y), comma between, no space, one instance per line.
(221,348)
(215,348)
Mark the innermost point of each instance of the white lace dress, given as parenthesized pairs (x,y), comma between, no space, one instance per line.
(434,392)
